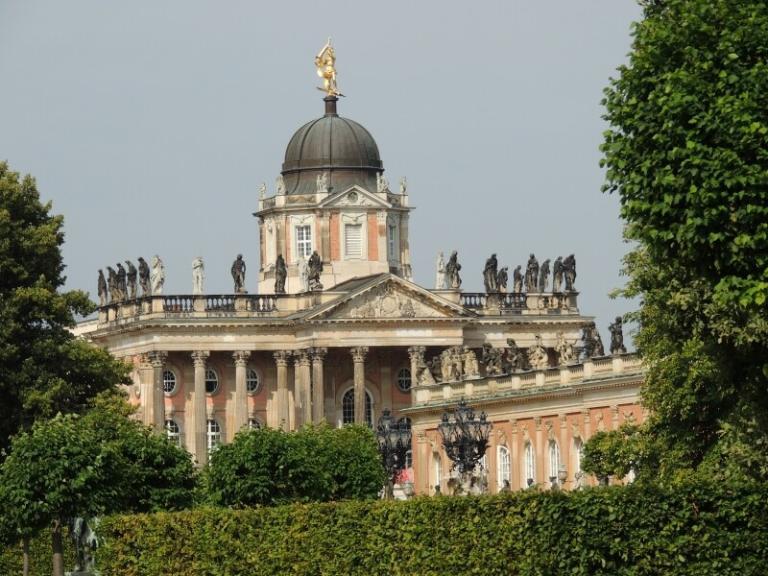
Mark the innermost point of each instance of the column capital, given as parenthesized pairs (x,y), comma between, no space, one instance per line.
(318,354)
(199,358)
(241,357)
(359,353)
(301,357)
(281,357)
(157,358)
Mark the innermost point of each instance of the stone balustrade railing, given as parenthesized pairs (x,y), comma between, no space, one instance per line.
(520,302)
(193,306)
(550,378)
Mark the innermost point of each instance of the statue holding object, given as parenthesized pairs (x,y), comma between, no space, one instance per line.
(544,276)
(501,280)
(531,274)
(198,275)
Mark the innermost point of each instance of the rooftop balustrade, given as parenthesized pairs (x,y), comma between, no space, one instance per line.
(520,302)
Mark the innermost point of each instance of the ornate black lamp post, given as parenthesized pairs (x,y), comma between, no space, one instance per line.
(465,438)
(394,439)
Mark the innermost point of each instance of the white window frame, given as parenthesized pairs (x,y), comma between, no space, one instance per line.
(438,461)
(578,446)
(304,246)
(555,460)
(503,468)
(368,396)
(529,464)
(213,435)
(173,435)
(254,424)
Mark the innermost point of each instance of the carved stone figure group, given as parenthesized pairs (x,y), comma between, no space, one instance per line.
(593,344)
(461,362)
(534,279)
(123,284)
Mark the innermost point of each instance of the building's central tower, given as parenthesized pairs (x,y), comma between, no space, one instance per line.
(332,198)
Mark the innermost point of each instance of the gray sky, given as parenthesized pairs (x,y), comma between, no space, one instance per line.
(150,124)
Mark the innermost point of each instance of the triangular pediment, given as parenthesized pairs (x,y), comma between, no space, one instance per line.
(389,297)
(354,197)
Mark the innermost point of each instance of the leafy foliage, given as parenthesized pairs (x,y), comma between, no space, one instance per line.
(88,465)
(614,453)
(687,152)
(314,464)
(44,369)
(687,530)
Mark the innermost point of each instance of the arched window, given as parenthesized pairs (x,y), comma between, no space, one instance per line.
(502,467)
(213,435)
(577,447)
(253,424)
(348,408)
(211,381)
(404,380)
(173,432)
(554,461)
(252,382)
(438,470)
(529,465)
(169,382)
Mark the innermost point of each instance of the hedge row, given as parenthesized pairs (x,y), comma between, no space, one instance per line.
(694,530)
(40,557)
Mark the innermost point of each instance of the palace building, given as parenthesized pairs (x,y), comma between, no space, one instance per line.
(339,332)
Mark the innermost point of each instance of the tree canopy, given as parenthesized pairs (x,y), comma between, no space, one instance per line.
(87,465)
(687,153)
(44,369)
(314,464)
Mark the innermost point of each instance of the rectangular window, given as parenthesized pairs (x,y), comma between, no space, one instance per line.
(353,236)
(303,241)
(392,241)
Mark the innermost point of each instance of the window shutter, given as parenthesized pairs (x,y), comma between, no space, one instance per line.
(353,246)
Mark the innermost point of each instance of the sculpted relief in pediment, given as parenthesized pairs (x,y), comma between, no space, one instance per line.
(387,302)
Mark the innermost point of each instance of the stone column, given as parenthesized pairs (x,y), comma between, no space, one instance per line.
(304,386)
(416,354)
(156,400)
(199,412)
(318,389)
(281,359)
(358,357)
(241,399)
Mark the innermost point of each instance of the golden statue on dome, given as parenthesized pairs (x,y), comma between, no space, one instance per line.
(326,69)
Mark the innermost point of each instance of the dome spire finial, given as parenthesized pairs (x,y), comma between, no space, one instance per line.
(325,61)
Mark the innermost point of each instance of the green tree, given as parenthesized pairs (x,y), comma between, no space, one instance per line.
(687,153)
(44,369)
(88,465)
(314,464)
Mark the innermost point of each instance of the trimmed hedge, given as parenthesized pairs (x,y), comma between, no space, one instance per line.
(40,556)
(696,530)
